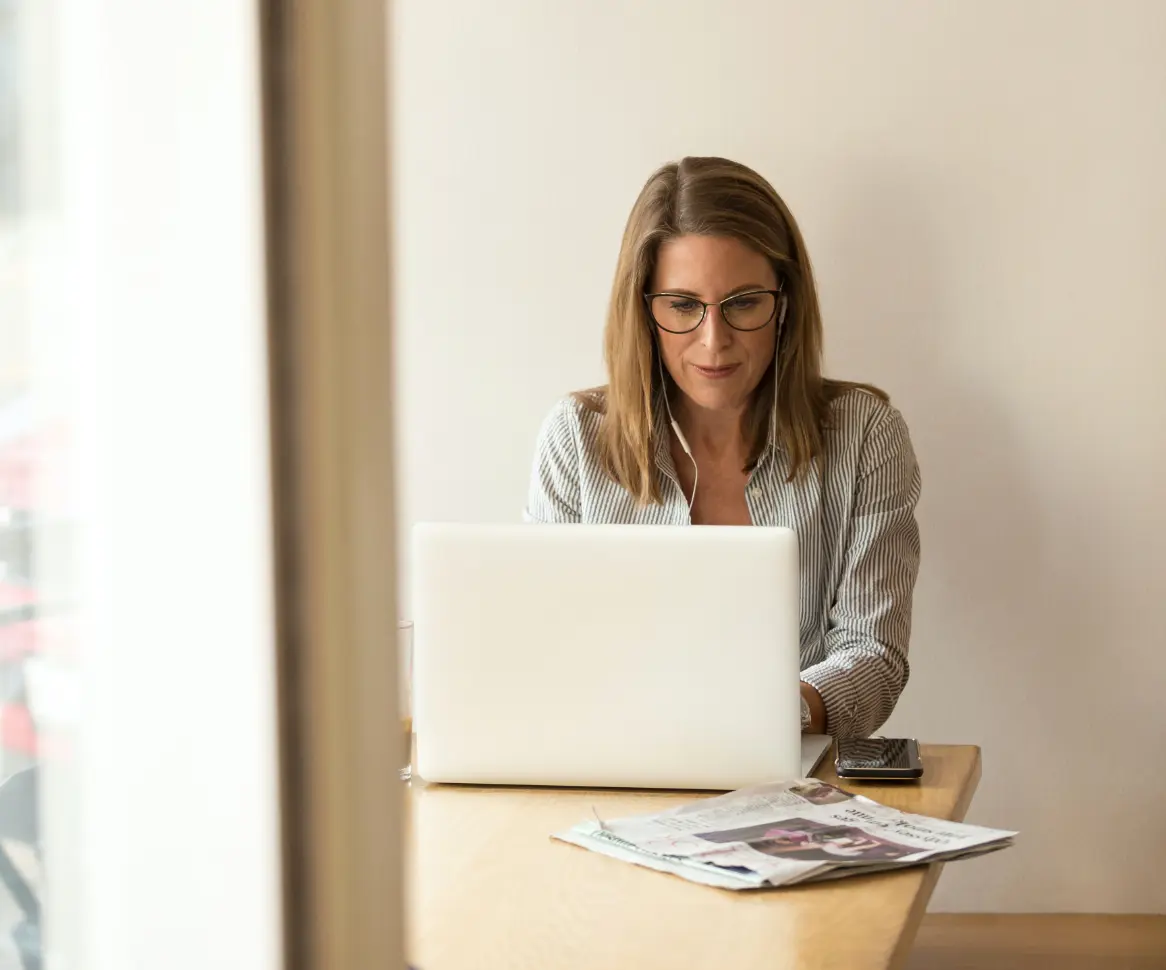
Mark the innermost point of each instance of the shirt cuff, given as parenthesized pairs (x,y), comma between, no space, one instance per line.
(834,685)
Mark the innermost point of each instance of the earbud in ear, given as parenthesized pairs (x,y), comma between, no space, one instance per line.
(781,312)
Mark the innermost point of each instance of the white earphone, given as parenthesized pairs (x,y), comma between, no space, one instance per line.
(676,428)
(776,358)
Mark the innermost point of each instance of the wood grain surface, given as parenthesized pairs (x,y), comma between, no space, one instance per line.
(488,888)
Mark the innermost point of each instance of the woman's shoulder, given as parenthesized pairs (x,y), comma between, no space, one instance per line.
(864,425)
(857,410)
(577,409)
(574,420)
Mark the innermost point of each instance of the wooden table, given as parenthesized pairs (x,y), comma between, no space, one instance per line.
(488,888)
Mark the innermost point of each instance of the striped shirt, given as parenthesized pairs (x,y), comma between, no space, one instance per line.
(855,522)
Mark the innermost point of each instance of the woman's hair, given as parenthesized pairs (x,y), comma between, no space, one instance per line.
(710,197)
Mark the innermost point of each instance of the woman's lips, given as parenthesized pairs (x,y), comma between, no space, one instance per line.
(716,373)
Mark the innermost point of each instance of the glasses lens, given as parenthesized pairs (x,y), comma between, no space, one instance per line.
(676,313)
(749,311)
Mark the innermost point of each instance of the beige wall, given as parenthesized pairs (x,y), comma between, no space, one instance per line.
(981,185)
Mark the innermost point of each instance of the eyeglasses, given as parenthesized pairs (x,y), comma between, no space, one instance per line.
(681,313)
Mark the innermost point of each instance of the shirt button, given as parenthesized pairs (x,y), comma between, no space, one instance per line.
(755,491)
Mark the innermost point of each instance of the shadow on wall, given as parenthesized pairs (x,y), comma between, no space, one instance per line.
(1002,596)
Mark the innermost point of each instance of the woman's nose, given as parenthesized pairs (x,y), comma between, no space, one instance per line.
(715,333)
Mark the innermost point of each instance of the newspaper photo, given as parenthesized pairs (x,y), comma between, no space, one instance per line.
(783,834)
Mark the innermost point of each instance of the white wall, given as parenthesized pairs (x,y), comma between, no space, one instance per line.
(981,187)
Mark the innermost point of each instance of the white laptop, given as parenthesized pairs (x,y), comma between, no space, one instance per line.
(607,656)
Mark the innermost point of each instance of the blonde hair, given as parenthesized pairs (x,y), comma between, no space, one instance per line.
(711,197)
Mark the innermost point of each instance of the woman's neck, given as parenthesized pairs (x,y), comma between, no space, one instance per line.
(716,434)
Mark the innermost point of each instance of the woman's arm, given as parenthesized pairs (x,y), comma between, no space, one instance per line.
(554,480)
(866,668)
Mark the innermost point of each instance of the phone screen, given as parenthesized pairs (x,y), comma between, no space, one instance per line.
(879,753)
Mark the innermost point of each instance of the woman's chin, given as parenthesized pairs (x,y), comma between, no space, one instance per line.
(717,398)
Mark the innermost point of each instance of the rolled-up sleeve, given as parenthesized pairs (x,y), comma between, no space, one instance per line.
(554,479)
(866,667)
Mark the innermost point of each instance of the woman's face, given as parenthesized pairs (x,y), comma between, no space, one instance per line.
(715,366)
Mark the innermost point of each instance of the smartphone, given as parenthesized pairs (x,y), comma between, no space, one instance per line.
(879,759)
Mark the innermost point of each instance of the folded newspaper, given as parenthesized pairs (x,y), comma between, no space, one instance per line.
(783,834)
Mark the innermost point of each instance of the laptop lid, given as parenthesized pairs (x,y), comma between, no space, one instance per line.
(614,655)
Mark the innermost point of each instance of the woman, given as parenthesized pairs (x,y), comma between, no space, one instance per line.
(716,413)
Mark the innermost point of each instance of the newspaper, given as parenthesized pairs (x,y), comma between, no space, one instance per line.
(783,834)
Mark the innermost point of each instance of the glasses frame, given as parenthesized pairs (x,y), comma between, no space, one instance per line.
(704,312)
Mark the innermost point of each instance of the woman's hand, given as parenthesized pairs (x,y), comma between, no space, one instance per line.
(817,710)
